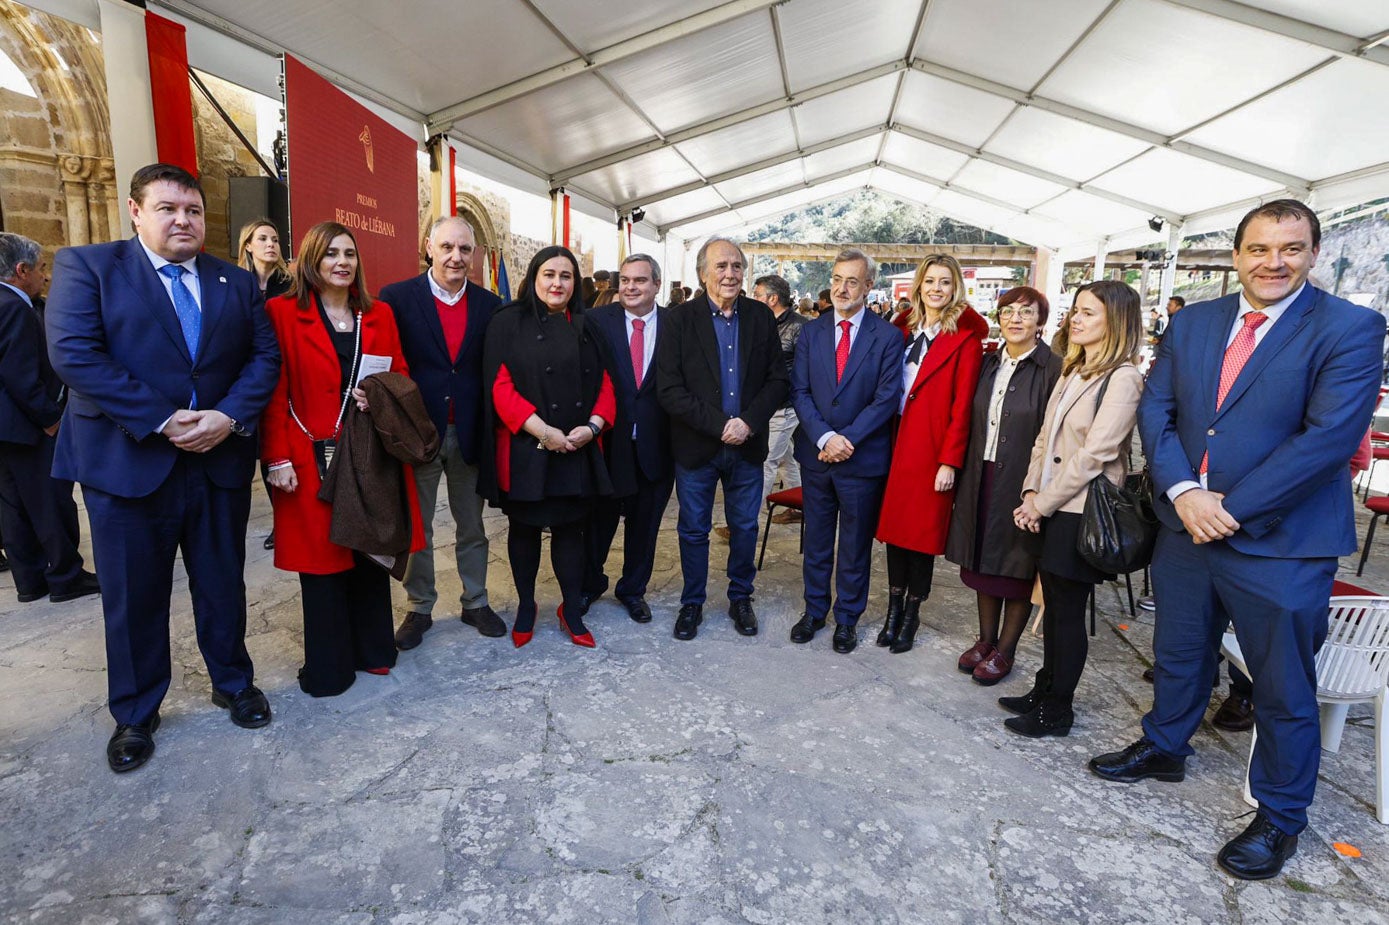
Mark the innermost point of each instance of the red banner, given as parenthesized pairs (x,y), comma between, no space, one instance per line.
(348,165)
(170,92)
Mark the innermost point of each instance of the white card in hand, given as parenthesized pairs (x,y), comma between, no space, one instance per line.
(370,365)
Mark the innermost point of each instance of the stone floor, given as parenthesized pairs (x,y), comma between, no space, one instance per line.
(723,780)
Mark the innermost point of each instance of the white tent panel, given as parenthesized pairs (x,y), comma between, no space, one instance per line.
(705,227)
(661,169)
(1062,146)
(846,111)
(1092,216)
(1168,68)
(1037,230)
(1186,184)
(1003,183)
(950,109)
(922,156)
(1333,121)
(1352,190)
(762,181)
(590,32)
(693,203)
(825,40)
(1353,17)
(787,202)
(843,157)
(744,143)
(908,189)
(566,123)
(706,75)
(966,208)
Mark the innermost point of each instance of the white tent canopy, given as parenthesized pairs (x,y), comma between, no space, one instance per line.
(1063,124)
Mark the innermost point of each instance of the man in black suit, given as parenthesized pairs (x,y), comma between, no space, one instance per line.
(37,512)
(638,447)
(722,376)
(442,321)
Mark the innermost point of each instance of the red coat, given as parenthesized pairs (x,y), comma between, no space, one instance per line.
(933,431)
(310,376)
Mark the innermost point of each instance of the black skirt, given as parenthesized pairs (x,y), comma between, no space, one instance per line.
(1060,532)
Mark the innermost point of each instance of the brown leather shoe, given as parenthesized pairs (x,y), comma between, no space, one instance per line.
(722,532)
(1236,714)
(787,517)
(974,655)
(993,669)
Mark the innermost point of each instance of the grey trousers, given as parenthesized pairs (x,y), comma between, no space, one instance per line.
(470,547)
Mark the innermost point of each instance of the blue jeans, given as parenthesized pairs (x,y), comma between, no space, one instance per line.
(742,499)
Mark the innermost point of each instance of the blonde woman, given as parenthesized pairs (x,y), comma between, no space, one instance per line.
(940,366)
(258,250)
(1085,433)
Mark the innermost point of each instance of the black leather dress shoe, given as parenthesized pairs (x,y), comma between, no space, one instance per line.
(85,584)
(269,541)
(687,623)
(1236,714)
(485,620)
(248,706)
(743,617)
(1139,761)
(30,595)
(4,563)
(412,630)
(1258,852)
(845,638)
(638,609)
(806,628)
(586,598)
(131,745)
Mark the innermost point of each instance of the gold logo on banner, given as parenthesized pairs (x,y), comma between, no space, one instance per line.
(365,139)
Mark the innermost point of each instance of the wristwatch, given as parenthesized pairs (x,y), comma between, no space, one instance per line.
(595,428)
(237,428)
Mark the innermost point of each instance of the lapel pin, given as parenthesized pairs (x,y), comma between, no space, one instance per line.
(221,279)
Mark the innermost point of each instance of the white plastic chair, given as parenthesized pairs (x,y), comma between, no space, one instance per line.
(1352,667)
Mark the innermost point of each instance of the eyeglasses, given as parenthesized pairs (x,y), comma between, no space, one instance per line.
(1021,312)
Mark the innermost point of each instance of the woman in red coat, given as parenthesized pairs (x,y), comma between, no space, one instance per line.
(328,326)
(939,369)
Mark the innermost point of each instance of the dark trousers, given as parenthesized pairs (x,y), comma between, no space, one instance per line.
(134,542)
(1065,642)
(834,501)
(39,519)
(566,557)
(642,513)
(742,499)
(347,626)
(1279,610)
(910,570)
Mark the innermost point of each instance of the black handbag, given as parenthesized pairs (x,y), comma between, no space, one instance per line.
(1119,526)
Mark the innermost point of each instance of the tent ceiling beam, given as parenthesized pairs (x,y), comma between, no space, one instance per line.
(1338,43)
(763,197)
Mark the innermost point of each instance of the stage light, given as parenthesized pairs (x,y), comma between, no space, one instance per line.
(1155,223)
(638,215)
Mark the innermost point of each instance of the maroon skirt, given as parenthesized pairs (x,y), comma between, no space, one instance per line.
(1010,589)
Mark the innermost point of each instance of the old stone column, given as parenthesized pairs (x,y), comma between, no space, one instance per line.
(75,171)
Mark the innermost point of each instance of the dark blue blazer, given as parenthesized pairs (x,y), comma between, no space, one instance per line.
(1280,445)
(649,454)
(860,406)
(29,389)
(114,338)
(442,378)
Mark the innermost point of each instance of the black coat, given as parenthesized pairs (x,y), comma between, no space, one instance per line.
(558,366)
(649,454)
(1007,551)
(29,389)
(687,361)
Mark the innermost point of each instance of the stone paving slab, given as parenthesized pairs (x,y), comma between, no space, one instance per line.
(724,780)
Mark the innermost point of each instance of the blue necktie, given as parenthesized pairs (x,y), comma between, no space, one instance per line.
(190,317)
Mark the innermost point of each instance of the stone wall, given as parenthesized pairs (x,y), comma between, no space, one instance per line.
(221,155)
(1363,245)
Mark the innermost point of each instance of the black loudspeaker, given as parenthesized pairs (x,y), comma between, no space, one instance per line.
(250,198)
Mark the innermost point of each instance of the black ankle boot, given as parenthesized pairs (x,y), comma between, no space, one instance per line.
(911,620)
(892,624)
(1052,717)
(1028,702)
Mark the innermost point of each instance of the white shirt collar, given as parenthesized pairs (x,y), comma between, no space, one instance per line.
(1008,357)
(856,321)
(649,317)
(1274,311)
(191,264)
(442,294)
(931,332)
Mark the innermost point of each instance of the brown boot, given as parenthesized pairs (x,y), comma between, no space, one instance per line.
(993,669)
(975,654)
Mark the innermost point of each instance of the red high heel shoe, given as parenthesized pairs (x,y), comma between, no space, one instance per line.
(584,639)
(377,671)
(519,638)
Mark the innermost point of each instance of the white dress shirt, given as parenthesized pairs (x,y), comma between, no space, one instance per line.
(648,338)
(190,277)
(442,294)
(909,370)
(855,323)
(1006,368)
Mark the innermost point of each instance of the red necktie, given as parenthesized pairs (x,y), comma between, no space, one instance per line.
(638,348)
(841,351)
(1236,355)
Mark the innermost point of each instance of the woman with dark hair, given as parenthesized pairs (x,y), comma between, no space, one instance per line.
(997,560)
(258,250)
(551,398)
(1086,431)
(940,365)
(327,326)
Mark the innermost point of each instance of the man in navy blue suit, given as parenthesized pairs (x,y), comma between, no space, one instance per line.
(1252,411)
(638,448)
(442,321)
(36,510)
(170,360)
(846,384)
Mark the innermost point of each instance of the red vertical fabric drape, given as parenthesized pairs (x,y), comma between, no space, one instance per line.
(453,179)
(171,92)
